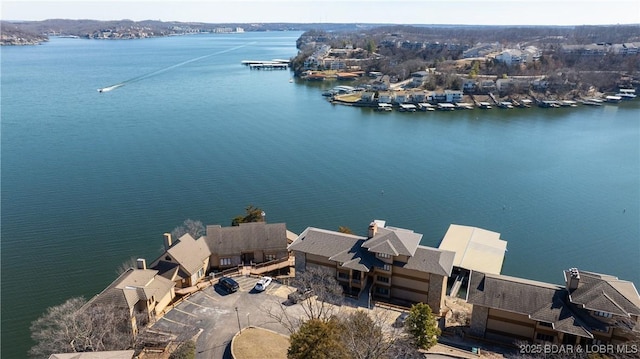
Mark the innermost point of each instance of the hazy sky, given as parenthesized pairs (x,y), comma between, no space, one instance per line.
(501,12)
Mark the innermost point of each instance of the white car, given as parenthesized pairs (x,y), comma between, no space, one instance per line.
(263,283)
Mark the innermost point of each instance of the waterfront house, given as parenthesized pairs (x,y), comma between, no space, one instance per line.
(452,96)
(389,262)
(138,290)
(419,96)
(246,244)
(402,97)
(386,97)
(187,261)
(590,308)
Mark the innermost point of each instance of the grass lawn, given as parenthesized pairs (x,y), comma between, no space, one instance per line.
(256,343)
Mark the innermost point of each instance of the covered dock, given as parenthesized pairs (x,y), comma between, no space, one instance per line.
(475,248)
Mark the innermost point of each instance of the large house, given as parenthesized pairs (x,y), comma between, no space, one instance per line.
(390,263)
(138,290)
(590,308)
(188,260)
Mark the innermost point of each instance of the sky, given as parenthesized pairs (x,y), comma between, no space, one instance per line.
(463,12)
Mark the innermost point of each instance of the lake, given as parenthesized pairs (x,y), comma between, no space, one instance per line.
(92,179)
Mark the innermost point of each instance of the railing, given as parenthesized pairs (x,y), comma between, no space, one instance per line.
(272,265)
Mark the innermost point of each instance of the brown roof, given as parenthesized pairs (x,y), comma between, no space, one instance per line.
(190,253)
(133,286)
(246,237)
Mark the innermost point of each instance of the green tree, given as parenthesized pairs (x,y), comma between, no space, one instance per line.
(252,214)
(317,339)
(371,46)
(422,326)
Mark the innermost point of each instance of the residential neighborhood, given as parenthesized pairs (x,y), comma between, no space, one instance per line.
(387,268)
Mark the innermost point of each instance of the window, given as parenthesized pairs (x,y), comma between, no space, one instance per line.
(382,279)
(545,324)
(386,267)
(545,337)
(225,261)
(603,314)
(270,257)
(384,255)
(343,275)
(201,273)
(382,290)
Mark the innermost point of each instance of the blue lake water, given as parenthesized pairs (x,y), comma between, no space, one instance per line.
(90,180)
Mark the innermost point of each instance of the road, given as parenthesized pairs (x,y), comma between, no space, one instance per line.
(213,311)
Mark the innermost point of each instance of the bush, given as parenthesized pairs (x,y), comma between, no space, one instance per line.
(185,351)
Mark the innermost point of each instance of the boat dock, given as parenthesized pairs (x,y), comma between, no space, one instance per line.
(275,64)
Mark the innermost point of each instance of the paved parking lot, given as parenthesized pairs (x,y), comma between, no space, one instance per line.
(213,312)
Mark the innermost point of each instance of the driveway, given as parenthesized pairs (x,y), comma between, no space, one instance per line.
(220,315)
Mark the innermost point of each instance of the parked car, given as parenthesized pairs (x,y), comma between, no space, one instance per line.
(263,283)
(399,323)
(228,284)
(299,295)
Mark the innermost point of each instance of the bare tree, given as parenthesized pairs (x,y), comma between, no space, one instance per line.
(73,327)
(364,337)
(132,262)
(328,293)
(195,228)
(323,305)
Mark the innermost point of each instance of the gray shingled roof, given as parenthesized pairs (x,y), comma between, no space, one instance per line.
(345,249)
(541,301)
(394,241)
(190,253)
(431,260)
(246,237)
(605,293)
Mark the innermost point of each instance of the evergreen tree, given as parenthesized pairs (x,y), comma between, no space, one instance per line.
(422,325)
(317,339)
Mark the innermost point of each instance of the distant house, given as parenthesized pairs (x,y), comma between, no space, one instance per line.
(386,97)
(590,308)
(138,290)
(452,96)
(418,78)
(187,261)
(390,262)
(402,97)
(419,96)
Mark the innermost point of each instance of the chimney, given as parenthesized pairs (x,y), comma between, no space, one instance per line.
(167,241)
(142,263)
(373,229)
(573,279)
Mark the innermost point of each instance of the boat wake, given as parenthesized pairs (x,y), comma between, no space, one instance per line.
(168,68)
(106,89)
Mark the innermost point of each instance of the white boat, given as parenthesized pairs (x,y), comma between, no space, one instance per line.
(626,95)
(613,99)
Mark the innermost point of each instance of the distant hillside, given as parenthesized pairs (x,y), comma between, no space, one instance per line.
(11,34)
(32,32)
